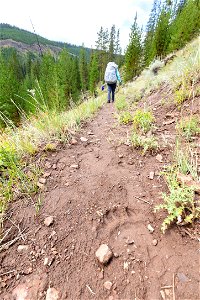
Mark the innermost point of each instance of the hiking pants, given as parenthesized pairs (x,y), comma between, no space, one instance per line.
(111,90)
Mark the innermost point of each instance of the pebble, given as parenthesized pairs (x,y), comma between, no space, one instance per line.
(150,228)
(74,166)
(22,248)
(155,242)
(48,221)
(108,285)
(151,175)
(42,180)
(52,294)
(73,141)
(159,158)
(83,139)
(104,254)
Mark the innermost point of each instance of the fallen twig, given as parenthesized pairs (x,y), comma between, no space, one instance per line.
(10,243)
(173,287)
(143,200)
(89,288)
(6,273)
(17,226)
(5,234)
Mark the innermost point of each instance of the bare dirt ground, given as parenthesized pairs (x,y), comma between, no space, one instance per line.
(100,191)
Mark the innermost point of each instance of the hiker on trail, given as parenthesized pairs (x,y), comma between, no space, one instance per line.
(111,77)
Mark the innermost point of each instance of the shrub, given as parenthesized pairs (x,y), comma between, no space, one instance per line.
(125,117)
(144,143)
(189,127)
(143,120)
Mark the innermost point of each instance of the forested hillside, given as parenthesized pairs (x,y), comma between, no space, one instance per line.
(20,35)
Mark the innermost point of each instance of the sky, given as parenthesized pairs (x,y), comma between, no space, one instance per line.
(75,21)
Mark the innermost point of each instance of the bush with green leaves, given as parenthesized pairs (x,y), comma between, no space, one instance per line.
(125,117)
(143,120)
(179,203)
(189,126)
(142,142)
(121,103)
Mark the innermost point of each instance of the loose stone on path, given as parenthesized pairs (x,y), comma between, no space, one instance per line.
(104,254)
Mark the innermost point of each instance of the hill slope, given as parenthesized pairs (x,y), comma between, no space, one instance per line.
(23,40)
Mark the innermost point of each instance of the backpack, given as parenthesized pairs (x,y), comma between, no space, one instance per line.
(110,73)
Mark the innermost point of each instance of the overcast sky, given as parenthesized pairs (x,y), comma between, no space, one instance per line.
(75,21)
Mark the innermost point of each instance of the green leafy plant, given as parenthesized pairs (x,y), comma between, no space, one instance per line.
(189,126)
(143,142)
(180,96)
(125,117)
(179,203)
(186,160)
(121,103)
(143,120)
(38,204)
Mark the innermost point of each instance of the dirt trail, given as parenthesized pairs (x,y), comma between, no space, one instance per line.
(99,191)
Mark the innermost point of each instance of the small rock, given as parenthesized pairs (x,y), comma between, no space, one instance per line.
(155,242)
(22,248)
(150,228)
(40,185)
(46,174)
(107,285)
(46,260)
(120,155)
(151,175)
(73,141)
(159,158)
(48,221)
(182,277)
(52,294)
(90,133)
(83,139)
(20,292)
(126,265)
(129,242)
(101,275)
(104,254)
(74,166)
(48,165)
(42,180)
(54,166)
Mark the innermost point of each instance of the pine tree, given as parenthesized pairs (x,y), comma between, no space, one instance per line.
(83,67)
(133,54)
(112,45)
(161,33)
(11,77)
(149,50)
(102,51)
(48,82)
(94,72)
(186,25)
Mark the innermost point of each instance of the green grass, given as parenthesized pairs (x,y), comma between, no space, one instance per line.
(121,103)
(125,117)
(189,127)
(19,174)
(143,120)
(142,142)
